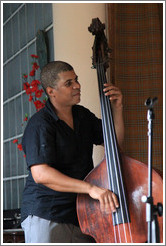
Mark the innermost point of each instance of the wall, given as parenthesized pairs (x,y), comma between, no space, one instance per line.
(73,44)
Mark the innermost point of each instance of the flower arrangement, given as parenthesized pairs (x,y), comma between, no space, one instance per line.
(33,91)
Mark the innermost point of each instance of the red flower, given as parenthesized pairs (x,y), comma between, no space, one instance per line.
(28,91)
(35,66)
(15,141)
(34,56)
(39,93)
(26,85)
(39,104)
(34,88)
(19,146)
(33,91)
(34,85)
(35,82)
(30,98)
(26,118)
(32,73)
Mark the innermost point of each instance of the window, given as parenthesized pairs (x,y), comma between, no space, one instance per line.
(21,21)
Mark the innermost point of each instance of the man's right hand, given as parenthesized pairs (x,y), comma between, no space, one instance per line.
(108,200)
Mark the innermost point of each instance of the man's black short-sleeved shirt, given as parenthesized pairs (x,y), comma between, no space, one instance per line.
(47,139)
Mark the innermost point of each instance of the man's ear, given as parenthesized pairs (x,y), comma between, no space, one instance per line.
(50,91)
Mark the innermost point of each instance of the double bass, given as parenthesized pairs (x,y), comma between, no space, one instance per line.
(126,177)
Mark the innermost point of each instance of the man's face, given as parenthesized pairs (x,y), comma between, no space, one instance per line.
(67,92)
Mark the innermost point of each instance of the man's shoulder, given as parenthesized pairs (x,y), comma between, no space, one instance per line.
(38,116)
(81,109)
(42,117)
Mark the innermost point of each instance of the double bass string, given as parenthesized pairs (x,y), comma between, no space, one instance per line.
(112,145)
(104,130)
(105,124)
(116,160)
(107,114)
(107,139)
(115,154)
(112,161)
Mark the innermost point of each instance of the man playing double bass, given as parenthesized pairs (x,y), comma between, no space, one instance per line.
(58,143)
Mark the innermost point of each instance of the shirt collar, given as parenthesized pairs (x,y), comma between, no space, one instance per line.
(50,109)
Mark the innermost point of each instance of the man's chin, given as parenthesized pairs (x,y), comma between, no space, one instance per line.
(77,101)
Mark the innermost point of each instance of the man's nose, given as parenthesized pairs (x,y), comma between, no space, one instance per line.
(76,85)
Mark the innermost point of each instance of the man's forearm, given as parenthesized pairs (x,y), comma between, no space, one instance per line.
(52,178)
